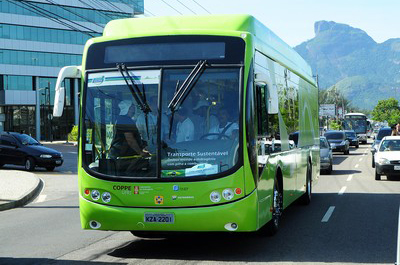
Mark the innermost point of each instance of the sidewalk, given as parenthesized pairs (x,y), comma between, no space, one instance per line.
(17,188)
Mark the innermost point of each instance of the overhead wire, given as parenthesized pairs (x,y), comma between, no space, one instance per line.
(186,7)
(201,7)
(72,12)
(37,10)
(55,16)
(171,7)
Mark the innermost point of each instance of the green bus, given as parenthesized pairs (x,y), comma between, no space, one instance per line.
(192,124)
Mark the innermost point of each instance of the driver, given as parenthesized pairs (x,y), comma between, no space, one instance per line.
(127,140)
(224,126)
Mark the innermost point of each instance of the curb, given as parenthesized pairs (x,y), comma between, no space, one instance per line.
(24,199)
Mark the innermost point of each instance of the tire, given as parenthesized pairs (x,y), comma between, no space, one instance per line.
(329,171)
(1,165)
(377,176)
(373,162)
(30,164)
(50,168)
(305,199)
(357,146)
(271,228)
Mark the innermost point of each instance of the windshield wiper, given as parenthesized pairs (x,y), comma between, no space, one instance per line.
(139,96)
(181,92)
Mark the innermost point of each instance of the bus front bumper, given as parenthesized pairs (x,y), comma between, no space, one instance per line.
(216,218)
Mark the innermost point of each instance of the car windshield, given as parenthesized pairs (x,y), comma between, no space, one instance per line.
(383,132)
(26,139)
(200,137)
(334,136)
(323,143)
(390,145)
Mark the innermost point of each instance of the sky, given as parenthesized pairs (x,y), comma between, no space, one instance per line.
(293,20)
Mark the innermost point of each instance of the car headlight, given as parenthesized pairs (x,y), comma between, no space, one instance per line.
(45,156)
(383,161)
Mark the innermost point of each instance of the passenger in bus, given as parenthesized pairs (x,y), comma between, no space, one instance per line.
(224,127)
(127,140)
(202,119)
(185,126)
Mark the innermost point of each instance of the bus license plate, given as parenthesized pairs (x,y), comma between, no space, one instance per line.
(396,167)
(159,218)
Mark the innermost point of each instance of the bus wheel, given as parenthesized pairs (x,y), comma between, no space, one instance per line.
(305,199)
(272,226)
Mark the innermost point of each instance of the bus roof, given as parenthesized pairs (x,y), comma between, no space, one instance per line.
(355,114)
(232,25)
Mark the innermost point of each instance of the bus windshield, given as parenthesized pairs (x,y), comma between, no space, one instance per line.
(356,123)
(199,138)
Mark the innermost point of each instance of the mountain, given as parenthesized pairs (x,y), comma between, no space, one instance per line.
(346,57)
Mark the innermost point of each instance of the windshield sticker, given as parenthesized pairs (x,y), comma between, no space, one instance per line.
(185,159)
(146,77)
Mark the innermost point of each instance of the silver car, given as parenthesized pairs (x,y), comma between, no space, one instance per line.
(326,157)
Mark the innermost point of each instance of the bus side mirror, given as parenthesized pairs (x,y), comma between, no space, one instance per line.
(262,79)
(65,72)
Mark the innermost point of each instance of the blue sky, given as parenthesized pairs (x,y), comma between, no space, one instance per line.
(293,20)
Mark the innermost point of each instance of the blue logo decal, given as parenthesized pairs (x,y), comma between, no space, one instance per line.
(175,187)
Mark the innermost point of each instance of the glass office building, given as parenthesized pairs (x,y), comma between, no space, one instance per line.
(37,38)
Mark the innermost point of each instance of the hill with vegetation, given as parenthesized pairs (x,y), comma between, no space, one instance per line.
(361,69)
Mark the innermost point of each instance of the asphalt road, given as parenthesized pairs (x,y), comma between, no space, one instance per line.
(352,219)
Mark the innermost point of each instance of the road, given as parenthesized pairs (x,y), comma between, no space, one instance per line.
(352,220)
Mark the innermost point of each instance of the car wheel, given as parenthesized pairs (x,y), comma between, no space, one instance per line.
(377,176)
(29,164)
(1,165)
(50,168)
(357,146)
(329,171)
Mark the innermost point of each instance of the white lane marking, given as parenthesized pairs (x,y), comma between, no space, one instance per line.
(328,214)
(350,177)
(398,240)
(360,159)
(356,166)
(342,190)
(41,198)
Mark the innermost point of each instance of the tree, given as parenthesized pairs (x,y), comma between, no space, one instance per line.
(387,110)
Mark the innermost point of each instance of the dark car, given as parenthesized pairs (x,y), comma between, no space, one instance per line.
(338,141)
(352,137)
(325,153)
(21,149)
(384,131)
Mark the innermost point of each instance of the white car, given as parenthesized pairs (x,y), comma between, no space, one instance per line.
(387,157)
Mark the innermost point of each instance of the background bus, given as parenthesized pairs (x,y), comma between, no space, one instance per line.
(224,117)
(359,123)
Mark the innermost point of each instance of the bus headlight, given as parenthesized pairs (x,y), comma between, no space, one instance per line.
(95,195)
(215,196)
(228,194)
(106,197)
